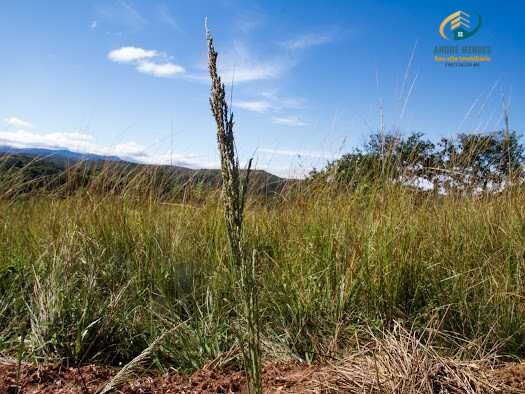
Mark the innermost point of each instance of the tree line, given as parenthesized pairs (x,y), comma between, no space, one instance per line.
(466,163)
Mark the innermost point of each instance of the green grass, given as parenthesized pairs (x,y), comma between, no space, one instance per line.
(96,279)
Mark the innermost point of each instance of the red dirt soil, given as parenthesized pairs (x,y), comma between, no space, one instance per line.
(277,378)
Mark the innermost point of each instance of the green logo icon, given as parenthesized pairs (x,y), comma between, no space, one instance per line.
(460,25)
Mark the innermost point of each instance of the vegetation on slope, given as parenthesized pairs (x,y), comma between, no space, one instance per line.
(21,175)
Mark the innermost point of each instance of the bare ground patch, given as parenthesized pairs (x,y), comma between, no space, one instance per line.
(277,378)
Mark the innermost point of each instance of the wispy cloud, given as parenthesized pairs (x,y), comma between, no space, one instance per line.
(291,121)
(16,122)
(93,25)
(269,102)
(247,21)
(282,102)
(299,153)
(246,71)
(146,61)
(239,64)
(307,41)
(259,106)
(167,17)
(121,13)
(278,106)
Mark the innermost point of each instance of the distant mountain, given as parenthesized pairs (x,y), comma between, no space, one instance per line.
(59,153)
(50,166)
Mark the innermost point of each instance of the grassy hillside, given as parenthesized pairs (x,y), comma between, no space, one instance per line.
(90,278)
(25,174)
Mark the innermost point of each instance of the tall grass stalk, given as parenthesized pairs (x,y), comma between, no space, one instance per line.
(234,196)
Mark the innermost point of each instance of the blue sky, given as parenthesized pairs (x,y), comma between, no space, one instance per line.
(123,76)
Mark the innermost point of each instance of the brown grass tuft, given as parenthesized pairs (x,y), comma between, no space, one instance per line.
(401,362)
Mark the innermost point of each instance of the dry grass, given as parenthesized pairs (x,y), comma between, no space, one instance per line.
(402,362)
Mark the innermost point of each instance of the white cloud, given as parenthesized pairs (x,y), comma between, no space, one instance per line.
(180,159)
(160,69)
(16,122)
(131,54)
(291,121)
(146,61)
(29,139)
(301,153)
(260,106)
(130,149)
(94,25)
(307,41)
(84,143)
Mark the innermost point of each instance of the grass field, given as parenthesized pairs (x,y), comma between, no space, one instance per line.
(90,278)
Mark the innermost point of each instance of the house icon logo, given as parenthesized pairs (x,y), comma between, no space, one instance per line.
(461,25)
